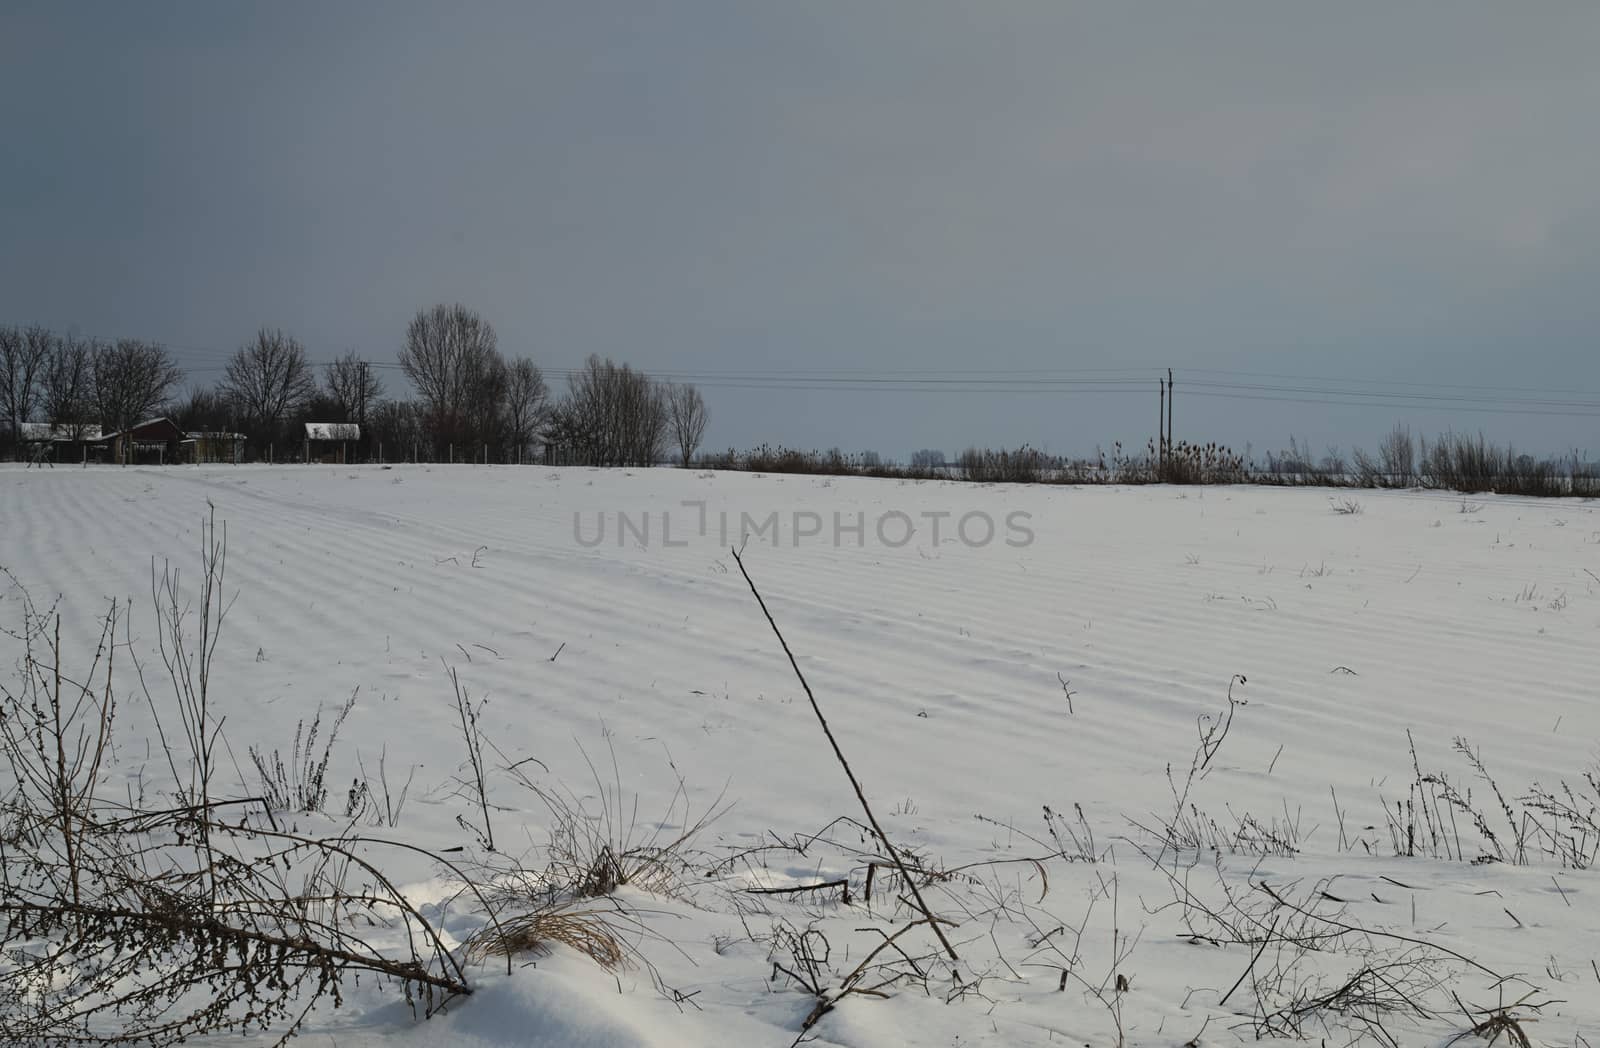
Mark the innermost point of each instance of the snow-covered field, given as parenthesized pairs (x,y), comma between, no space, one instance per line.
(940,666)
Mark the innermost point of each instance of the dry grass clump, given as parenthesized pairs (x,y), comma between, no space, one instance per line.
(599,846)
(587,931)
(591,855)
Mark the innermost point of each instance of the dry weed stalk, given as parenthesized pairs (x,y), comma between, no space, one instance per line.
(1310,963)
(804,957)
(930,919)
(1561,824)
(472,737)
(301,784)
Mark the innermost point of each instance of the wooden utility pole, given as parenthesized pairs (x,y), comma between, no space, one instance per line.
(1161,427)
(1170,399)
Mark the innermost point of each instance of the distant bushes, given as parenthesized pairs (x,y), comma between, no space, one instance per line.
(1024,465)
(1187,463)
(1395,465)
(833,462)
(1453,462)
(1183,464)
(1456,462)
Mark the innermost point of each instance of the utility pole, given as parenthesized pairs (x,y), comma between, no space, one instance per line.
(1161,428)
(1170,398)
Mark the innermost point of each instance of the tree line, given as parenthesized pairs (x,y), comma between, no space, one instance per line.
(469,401)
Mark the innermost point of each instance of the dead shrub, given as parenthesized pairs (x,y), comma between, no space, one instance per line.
(151,921)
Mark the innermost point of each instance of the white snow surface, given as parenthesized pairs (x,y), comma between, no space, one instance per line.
(939,666)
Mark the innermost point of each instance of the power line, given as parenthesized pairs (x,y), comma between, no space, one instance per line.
(1389,382)
(1264,387)
(1455,398)
(1393,399)
(1417,407)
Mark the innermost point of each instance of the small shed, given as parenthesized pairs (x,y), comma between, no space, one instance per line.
(156,440)
(330,442)
(43,443)
(213,446)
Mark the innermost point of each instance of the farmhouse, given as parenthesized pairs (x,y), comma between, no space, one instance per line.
(157,440)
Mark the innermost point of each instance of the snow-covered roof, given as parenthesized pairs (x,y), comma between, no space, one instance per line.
(157,421)
(332,431)
(212,434)
(42,431)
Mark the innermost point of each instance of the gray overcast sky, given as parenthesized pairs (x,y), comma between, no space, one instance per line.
(1377,194)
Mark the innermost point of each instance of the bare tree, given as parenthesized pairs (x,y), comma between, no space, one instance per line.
(268,380)
(1399,456)
(400,426)
(613,416)
(10,370)
(450,357)
(566,435)
(354,386)
(586,419)
(1395,466)
(67,388)
(485,407)
(22,360)
(525,404)
(204,409)
(12,394)
(687,413)
(647,415)
(132,379)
